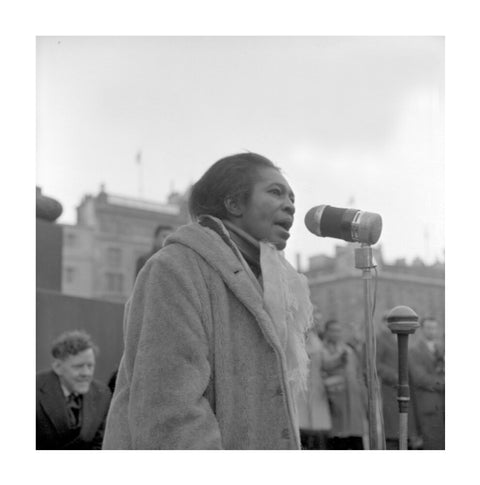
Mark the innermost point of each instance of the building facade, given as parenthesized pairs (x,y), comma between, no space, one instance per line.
(100,251)
(336,287)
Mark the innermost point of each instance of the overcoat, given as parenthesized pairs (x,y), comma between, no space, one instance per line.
(428,382)
(203,367)
(348,403)
(52,429)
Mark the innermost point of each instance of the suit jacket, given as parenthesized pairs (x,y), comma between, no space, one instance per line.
(53,432)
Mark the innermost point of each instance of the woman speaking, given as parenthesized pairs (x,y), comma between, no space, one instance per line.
(215,328)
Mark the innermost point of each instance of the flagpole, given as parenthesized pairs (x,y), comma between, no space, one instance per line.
(138,159)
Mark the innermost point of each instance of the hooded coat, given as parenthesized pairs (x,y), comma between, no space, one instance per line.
(203,367)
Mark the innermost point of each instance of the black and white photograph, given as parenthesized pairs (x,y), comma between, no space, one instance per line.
(248,229)
(240,243)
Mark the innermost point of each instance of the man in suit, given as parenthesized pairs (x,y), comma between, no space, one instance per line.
(427,361)
(71,405)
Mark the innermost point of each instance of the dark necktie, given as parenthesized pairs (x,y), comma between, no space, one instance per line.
(74,404)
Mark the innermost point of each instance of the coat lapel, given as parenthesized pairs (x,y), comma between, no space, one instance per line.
(233,273)
(51,399)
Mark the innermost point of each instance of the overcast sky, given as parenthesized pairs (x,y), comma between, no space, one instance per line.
(350,120)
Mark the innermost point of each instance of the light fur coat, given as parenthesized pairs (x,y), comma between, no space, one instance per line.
(202,367)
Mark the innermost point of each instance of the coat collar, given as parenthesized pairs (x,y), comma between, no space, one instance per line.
(216,247)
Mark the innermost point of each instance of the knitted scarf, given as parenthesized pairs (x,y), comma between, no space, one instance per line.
(287,300)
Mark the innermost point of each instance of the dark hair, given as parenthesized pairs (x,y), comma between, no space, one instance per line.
(72,343)
(232,176)
(160,228)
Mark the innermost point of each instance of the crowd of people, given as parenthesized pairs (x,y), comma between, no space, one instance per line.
(334,412)
(216,354)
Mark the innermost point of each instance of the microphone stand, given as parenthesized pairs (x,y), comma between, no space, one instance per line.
(364,261)
(403,321)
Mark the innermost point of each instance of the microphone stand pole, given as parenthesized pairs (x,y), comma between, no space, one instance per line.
(403,321)
(364,261)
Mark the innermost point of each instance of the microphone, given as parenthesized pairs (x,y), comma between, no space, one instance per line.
(351,225)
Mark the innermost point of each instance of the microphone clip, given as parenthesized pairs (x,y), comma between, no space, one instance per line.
(364,257)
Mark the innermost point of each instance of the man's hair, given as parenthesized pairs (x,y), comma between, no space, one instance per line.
(161,228)
(232,176)
(72,343)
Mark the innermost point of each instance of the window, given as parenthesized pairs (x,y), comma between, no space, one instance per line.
(69,274)
(114,282)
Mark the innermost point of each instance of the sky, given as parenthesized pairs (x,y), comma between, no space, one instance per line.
(352,122)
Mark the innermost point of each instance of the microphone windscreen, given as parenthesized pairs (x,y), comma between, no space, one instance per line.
(313,218)
(350,225)
(369,227)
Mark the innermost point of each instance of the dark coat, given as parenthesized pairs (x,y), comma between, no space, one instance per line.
(428,381)
(53,432)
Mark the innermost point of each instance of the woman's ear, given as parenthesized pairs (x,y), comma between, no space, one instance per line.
(234,208)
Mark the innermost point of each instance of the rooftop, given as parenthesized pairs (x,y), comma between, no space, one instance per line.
(142,204)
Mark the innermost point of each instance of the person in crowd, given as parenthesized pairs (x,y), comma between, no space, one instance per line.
(215,328)
(427,361)
(346,391)
(313,408)
(354,337)
(159,236)
(71,406)
(387,369)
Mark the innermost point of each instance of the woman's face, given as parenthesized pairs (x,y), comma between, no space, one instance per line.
(268,213)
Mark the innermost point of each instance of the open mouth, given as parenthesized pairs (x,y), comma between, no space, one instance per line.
(284,225)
